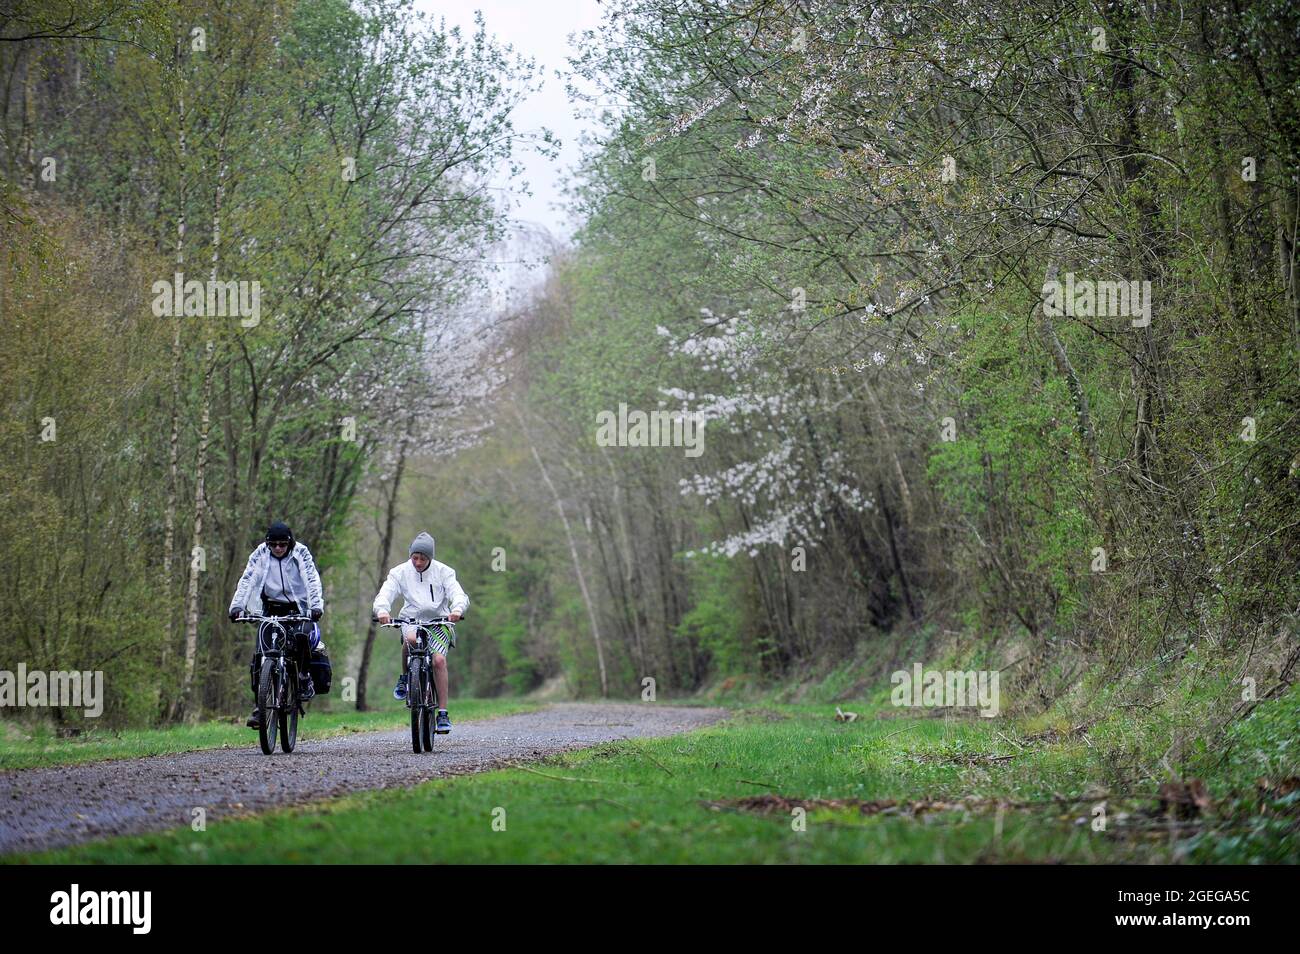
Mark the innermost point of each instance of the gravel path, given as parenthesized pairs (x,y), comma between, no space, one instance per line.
(52,807)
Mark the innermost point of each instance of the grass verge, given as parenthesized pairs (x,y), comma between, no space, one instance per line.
(789,783)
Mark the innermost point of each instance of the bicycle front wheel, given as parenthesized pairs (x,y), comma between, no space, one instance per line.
(417,727)
(415,699)
(289,719)
(267,692)
(430,715)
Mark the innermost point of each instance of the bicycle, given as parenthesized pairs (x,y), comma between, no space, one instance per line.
(421,691)
(277,689)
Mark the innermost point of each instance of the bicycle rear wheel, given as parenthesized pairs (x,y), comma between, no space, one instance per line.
(266,695)
(289,718)
(434,706)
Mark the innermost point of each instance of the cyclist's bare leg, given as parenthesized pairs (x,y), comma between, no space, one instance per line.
(407,636)
(440,678)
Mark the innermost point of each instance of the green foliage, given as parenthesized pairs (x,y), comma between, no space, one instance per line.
(1016,462)
(716,620)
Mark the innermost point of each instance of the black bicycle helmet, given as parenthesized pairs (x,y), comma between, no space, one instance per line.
(279,531)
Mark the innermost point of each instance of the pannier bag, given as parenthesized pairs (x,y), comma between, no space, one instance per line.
(321,671)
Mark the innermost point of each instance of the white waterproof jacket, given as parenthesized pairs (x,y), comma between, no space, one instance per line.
(427,595)
(248,593)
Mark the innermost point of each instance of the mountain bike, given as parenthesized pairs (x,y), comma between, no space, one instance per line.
(421,692)
(277,688)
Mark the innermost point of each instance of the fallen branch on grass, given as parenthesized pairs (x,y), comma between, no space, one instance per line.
(650,757)
(567,778)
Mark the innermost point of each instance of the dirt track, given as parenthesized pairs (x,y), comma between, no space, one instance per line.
(51,807)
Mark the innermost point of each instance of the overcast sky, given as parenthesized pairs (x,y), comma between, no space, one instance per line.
(537,29)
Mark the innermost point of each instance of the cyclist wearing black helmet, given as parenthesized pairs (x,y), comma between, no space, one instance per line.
(281,580)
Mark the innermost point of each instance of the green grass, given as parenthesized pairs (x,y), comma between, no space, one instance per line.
(35,747)
(648,801)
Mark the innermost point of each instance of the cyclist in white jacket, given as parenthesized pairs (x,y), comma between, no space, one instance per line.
(430,591)
(281,580)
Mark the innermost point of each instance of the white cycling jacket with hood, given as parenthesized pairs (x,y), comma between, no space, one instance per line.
(427,595)
(248,593)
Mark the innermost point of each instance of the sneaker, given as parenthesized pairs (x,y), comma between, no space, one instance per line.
(255,720)
(399,691)
(444,724)
(306,688)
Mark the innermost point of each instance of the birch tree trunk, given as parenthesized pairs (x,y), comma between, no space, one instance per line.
(201,464)
(173,444)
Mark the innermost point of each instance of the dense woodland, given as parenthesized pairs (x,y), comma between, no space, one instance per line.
(824,227)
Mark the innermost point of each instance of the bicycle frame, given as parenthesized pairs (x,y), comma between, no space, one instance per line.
(279,636)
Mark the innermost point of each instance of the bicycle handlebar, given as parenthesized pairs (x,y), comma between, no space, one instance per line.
(277,619)
(441,621)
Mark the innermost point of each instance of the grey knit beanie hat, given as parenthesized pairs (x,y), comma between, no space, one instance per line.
(422,544)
